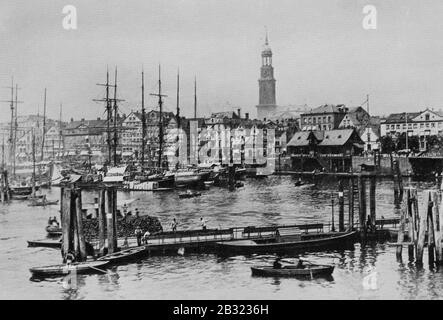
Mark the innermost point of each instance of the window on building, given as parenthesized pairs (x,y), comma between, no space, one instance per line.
(433,125)
(398,126)
(314,120)
(427,117)
(329,118)
(422,125)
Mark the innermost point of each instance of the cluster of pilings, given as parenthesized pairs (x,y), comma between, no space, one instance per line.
(73,239)
(366,223)
(422,226)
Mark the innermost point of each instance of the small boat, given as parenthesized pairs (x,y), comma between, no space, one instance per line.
(64,269)
(320,241)
(19,197)
(309,270)
(42,203)
(54,230)
(123,255)
(304,185)
(189,194)
(45,243)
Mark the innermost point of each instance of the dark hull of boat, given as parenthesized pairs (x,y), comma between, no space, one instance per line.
(63,270)
(124,255)
(308,271)
(45,244)
(185,195)
(43,204)
(316,243)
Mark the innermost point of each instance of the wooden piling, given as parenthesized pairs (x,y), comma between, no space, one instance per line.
(422,228)
(362,203)
(66,222)
(410,224)
(431,237)
(341,208)
(110,220)
(80,236)
(332,218)
(437,215)
(101,216)
(401,229)
(372,206)
(351,204)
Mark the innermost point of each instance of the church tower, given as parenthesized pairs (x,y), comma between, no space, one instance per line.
(266,105)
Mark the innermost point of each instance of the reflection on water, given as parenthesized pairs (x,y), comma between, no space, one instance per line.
(260,202)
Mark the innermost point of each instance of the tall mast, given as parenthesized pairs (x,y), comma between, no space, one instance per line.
(60,132)
(11,134)
(160,124)
(178,99)
(44,127)
(143,122)
(33,163)
(195,98)
(15,128)
(109,117)
(115,118)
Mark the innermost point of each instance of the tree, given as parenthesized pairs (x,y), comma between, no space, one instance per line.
(387,144)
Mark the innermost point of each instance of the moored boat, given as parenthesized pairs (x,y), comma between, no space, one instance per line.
(45,243)
(64,269)
(306,243)
(189,194)
(309,270)
(123,255)
(54,230)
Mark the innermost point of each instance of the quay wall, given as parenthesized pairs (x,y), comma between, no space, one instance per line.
(385,163)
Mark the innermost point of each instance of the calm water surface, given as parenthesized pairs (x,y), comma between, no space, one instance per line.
(260,202)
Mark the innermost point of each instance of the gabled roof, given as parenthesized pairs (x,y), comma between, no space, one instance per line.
(299,139)
(224,114)
(327,108)
(336,137)
(401,117)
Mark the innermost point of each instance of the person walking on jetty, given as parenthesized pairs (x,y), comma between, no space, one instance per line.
(174,225)
(203,223)
(138,235)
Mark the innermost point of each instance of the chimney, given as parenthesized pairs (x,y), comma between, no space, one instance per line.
(72,119)
(238,112)
(246,115)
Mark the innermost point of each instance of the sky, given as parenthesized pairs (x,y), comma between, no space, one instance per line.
(321,54)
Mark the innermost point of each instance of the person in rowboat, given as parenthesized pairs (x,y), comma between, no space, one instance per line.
(277,264)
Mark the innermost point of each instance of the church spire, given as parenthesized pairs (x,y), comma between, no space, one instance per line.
(266,40)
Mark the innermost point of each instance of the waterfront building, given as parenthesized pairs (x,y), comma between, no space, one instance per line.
(422,124)
(132,130)
(325,117)
(330,150)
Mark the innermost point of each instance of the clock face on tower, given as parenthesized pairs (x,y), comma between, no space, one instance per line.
(266,73)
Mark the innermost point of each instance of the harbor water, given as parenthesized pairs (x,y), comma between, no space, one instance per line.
(370,272)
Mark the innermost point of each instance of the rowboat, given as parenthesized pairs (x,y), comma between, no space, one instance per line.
(312,270)
(189,194)
(54,231)
(306,243)
(123,255)
(42,203)
(304,185)
(64,269)
(45,243)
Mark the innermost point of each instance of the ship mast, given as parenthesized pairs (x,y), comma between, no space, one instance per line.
(143,123)
(44,127)
(33,163)
(160,124)
(115,118)
(60,132)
